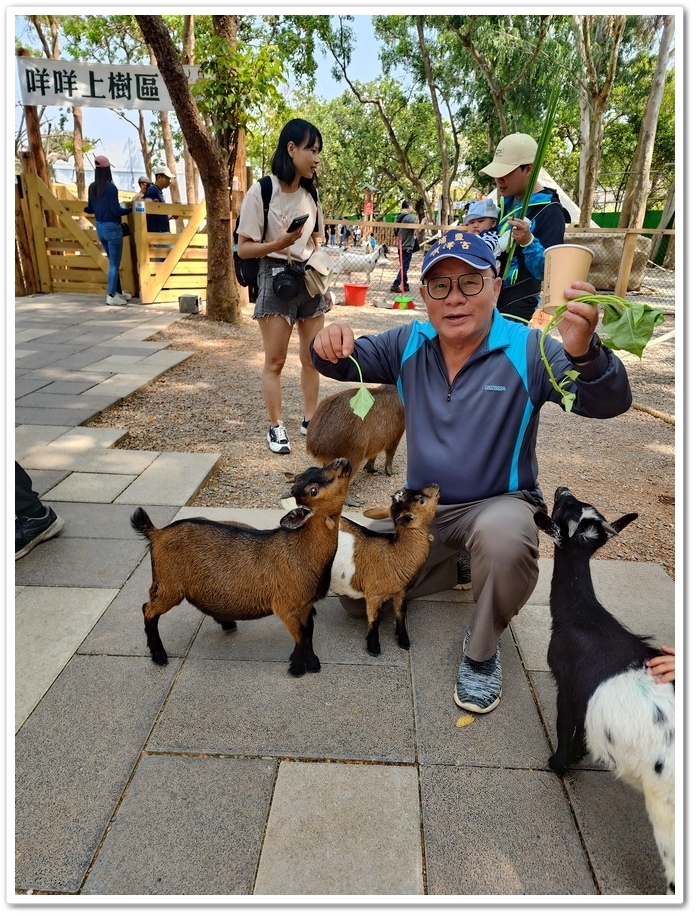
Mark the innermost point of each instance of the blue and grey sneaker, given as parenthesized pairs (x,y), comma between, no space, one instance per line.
(479,684)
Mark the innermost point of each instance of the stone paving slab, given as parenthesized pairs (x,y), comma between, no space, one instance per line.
(43,416)
(80,562)
(620,845)
(120,630)
(171,479)
(491,831)
(90,520)
(31,436)
(346,712)
(93,488)
(337,829)
(50,623)
(174,805)
(73,758)
(24,386)
(105,461)
(513,737)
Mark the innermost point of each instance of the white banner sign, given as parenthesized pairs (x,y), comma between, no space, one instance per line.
(70,82)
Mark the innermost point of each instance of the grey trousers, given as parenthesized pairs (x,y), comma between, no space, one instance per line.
(500,535)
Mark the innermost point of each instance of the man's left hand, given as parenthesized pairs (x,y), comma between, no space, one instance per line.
(579,320)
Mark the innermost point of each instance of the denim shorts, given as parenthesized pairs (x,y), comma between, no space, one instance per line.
(296,309)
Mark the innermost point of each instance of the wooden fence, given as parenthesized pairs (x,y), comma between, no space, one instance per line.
(57,249)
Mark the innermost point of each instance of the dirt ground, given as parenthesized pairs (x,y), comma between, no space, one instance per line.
(212,403)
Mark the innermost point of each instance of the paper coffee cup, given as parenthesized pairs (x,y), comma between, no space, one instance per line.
(562,265)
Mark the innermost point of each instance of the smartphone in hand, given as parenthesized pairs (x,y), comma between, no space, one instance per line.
(297,222)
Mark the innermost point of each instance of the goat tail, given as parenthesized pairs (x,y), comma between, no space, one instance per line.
(142,522)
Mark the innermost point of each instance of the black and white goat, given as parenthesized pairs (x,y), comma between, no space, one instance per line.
(608,703)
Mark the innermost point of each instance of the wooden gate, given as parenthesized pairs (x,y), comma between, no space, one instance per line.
(57,249)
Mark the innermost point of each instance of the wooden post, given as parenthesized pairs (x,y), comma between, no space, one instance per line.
(24,249)
(142,256)
(624,274)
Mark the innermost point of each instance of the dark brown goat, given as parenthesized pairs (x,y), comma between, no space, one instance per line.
(335,430)
(235,572)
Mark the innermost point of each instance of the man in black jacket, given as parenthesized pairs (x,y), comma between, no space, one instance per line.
(543,226)
(406,240)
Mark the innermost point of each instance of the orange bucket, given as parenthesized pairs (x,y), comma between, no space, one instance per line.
(356,293)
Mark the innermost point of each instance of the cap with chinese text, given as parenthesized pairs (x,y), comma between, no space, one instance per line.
(464,246)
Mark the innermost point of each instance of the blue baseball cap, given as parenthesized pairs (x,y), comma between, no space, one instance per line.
(464,246)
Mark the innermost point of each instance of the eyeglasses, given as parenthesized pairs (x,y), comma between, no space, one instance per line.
(469,284)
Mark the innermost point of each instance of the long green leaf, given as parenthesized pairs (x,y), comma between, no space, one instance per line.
(542,147)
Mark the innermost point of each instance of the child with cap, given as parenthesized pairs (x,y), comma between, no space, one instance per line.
(482,220)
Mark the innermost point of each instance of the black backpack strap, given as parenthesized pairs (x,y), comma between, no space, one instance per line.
(266,194)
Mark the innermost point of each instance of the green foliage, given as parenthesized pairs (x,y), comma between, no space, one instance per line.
(236,82)
(625,326)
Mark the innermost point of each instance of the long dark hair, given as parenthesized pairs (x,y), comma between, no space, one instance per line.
(102,177)
(303,134)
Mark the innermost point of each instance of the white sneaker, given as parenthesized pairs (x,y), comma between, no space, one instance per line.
(125,296)
(277,439)
(115,300)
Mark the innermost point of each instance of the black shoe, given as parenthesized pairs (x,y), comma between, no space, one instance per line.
(463,570)
(394,289)
(31,531)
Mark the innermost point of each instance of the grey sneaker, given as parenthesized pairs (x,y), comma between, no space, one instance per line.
(277,439)
(479,684)
(303,427)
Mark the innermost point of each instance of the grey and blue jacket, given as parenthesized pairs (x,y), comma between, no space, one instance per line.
(476,437)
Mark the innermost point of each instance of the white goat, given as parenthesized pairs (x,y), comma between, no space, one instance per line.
(355,261)
(608,703)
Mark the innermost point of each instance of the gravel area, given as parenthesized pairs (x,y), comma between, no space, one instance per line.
(212,403)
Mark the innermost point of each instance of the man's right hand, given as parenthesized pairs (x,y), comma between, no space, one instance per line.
(334,342)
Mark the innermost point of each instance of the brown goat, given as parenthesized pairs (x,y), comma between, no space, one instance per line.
(236,572)
(335,430)
(378,565)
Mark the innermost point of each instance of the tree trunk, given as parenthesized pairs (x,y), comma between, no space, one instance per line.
(190,169)
(222,294)
(598,39)
(144,144)
(442,143)
(78,154)
(636,199)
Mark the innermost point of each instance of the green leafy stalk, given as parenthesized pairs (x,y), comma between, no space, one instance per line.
(542,147)
(625,326)
(362,401)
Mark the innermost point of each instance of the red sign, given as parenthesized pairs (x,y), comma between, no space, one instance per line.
(367,208)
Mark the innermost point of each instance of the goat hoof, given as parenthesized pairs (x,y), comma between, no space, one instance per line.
(313,664)
(160,658)
(297,671)
(231,625)
(374,650)
(404,642)
(556,765)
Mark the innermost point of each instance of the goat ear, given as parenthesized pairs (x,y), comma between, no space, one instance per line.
(620,524)
(405,518)
(377,512)
(296,518)
(288,475)
(546,524)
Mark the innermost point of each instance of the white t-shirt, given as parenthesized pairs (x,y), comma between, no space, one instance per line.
(282,209)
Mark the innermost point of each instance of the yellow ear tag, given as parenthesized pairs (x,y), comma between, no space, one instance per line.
(362,401)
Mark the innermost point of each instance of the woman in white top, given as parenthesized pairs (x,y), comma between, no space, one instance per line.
(281,305)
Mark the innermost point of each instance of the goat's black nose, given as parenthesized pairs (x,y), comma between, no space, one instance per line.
(561,491)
